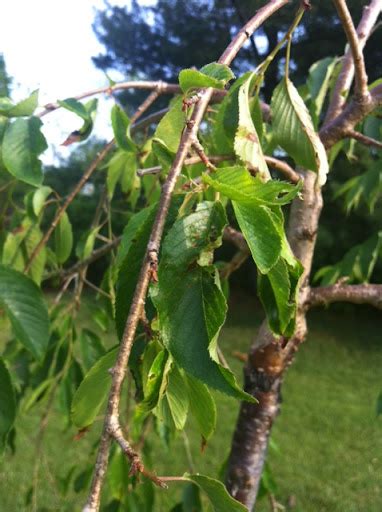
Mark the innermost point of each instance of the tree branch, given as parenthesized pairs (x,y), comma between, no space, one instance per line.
(60,212)
(284,168)
(151,257)
(364,139)
(355,48)
(161,87)
(354,113)
(356,294)
(353,59)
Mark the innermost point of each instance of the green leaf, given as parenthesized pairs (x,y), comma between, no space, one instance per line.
(91,348)
(191,499)
(74,106)
(294,130)
(212,75)
(93,390)
(24,304)
(7,404)
(22,144)
(122,168)
(23,108)
(247,145)
(177,397)
(63,239)
(129,235)
(39,198)
(277,291)
(217,494)
(202,406)
(31,240)
(237,184)
(121,128)
(191,310)
(86,243)
(260,231)
(357,264)
(318,83)
(170,127)
(366,187)
(227,119)
(86,112)
(130,257)
(197,232)
(153,385)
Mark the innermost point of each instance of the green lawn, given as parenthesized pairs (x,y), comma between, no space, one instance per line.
(329,439)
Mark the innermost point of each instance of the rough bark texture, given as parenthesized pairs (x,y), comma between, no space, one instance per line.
(269,358)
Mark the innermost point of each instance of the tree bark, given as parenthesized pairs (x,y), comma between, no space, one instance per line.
(269,358)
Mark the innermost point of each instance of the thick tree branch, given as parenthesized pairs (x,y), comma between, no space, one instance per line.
(151,256)
(353,54)
(354,293)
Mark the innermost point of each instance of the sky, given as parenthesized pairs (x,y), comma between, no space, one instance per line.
(48,45)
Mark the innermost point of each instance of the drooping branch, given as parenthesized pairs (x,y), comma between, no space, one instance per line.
(353,55)
(151,257)
(85,177)
(354,293)
(60,212)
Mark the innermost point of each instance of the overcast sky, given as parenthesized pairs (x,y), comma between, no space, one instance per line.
(48,45)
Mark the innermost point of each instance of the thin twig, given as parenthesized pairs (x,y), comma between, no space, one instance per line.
(150,260)
(146,104)
(189,161)
(358,41)
(364,139)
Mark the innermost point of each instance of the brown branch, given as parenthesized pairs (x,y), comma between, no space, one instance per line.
(235,263)
(355,48)
(146,104)
(353,114)
(189,161)
(163,87)
(60,212)
(74,269)
(353,59)
(150,259)
(284,168)
(93,166)
(364,139)
(354,293)
(236,238)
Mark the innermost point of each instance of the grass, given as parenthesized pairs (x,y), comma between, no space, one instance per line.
(329,439)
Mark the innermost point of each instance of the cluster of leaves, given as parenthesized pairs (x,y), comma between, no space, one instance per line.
(176,364)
